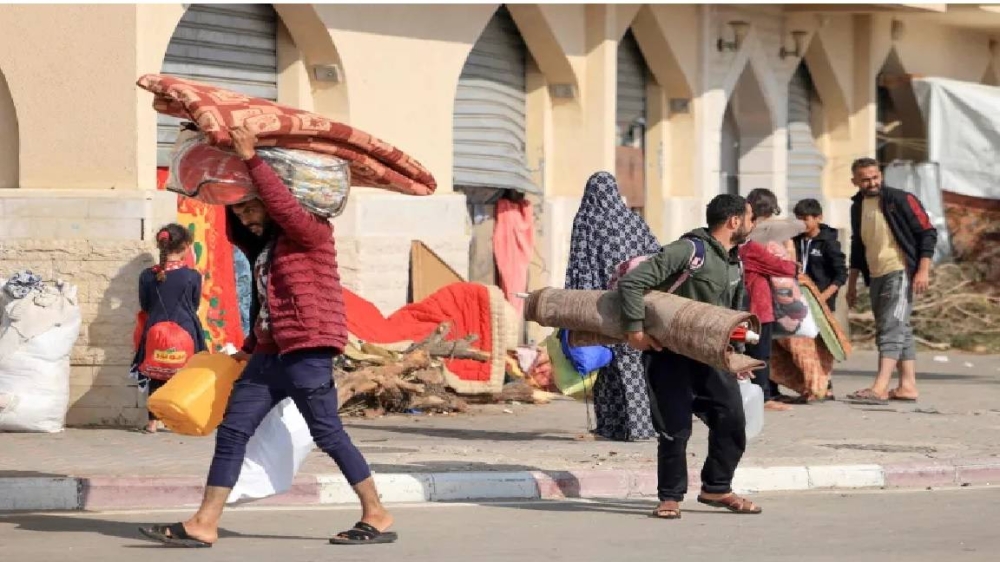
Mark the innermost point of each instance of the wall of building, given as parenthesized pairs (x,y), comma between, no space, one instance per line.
(78,140)
(92,240)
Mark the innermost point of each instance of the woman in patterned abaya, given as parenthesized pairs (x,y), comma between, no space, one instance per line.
(606,233)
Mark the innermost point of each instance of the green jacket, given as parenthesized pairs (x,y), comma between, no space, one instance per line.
(719,281)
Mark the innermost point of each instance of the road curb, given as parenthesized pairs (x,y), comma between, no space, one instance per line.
(101,493)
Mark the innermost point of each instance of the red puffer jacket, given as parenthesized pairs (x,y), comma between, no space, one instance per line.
(759,265)
(304,295)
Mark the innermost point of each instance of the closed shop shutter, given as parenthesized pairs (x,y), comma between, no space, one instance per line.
(232,46)
(729,154)
(630,122)
(805,160)
(490,108)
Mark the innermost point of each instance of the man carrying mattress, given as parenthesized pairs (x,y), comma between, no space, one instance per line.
(702,266)
(299,327)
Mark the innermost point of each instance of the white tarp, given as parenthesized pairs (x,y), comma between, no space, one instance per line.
(963,134)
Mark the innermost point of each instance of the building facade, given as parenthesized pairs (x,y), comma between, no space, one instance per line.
(681,101)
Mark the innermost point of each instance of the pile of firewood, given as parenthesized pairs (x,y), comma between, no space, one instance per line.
(373,380)
(960,310)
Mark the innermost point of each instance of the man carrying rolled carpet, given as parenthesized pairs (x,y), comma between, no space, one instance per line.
(680,386)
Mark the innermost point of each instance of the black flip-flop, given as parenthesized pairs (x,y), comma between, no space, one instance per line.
(173,535)
(363,533)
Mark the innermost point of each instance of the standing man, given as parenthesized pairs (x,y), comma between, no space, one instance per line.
(298,329)
(892,244)
(679,386)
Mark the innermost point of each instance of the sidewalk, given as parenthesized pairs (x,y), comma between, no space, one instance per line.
(515,451)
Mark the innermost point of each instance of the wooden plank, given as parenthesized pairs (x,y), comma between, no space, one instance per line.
(630,171)
(428,272)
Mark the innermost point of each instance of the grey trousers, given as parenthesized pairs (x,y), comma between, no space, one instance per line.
(892,304)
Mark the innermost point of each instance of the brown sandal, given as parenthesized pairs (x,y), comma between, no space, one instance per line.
(867,397)
(733,503)
(666,512)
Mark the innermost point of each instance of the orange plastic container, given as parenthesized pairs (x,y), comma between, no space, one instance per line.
(193,401)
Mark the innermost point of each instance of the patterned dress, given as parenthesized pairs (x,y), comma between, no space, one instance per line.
(606,233)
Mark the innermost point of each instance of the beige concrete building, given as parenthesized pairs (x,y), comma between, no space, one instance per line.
(686,100)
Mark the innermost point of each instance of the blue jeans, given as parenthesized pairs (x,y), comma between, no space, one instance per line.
(307,378)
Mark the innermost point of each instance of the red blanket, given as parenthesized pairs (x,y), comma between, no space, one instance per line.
(470,308)
(374,163)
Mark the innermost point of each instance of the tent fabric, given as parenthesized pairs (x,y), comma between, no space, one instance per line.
(963,129)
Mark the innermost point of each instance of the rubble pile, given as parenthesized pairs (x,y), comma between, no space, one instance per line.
(960,310)
(374,380)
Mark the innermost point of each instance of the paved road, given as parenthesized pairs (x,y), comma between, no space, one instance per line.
(877,526)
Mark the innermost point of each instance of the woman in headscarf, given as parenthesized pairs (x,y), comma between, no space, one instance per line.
(605,234)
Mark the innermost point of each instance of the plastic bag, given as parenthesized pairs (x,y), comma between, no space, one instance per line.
(564,375)
(753,407)
(34,372)
(208,173)
(275,453)
(792,315)
(320,182)
(585,359)
(216,176)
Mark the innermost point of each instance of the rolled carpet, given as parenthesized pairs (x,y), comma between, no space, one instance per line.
(693,329)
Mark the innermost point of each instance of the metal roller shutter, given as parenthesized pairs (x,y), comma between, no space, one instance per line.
(630,110)
(729,154)
(805,160)
(232,46)
(489,122)
(630,122)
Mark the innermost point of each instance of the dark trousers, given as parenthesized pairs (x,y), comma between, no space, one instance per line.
(762,351)
(681,387)
(307,378)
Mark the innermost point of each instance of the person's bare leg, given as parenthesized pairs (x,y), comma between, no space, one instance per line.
(372,510)
(907,380)
(204,525)
(886,367)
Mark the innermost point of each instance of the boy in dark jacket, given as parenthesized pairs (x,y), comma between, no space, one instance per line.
(818,250)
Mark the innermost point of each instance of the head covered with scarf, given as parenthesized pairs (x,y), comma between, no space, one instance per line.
(605,233)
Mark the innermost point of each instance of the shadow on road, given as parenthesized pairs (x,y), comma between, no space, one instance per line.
(43,523)
(466,434)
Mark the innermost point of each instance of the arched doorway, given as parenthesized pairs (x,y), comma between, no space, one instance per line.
(9,138)
(747,143)
(900,130)
(489,126)
(630,123)
(232,46)
(805,159)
